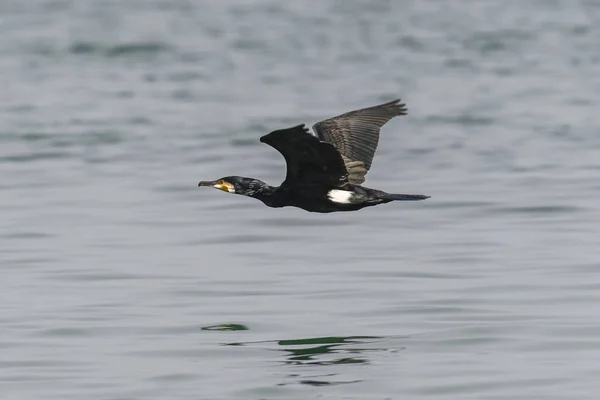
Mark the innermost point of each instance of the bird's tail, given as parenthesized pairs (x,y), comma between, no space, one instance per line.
(405,197)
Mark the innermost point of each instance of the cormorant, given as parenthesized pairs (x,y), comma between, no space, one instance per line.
(324,172)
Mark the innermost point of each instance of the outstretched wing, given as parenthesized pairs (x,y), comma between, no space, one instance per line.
(356,134)
(308,159)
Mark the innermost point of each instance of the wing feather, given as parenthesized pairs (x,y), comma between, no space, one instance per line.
(355,134)
(308,160)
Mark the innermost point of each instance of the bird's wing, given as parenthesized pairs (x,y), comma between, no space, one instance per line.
(356,134)
(309,160)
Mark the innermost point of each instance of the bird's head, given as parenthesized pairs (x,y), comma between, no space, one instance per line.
(237,185)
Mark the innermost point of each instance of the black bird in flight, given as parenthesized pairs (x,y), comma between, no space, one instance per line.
(324,172)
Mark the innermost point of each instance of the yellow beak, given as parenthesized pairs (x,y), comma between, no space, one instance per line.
(225,186)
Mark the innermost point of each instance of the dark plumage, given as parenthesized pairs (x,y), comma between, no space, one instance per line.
(324,172)
(356,135)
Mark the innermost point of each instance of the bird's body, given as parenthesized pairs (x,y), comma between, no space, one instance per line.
(318,198)
(324,172)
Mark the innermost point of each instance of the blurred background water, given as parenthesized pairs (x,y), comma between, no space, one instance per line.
(122,280)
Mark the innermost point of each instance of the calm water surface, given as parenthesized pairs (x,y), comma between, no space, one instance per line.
(122,280)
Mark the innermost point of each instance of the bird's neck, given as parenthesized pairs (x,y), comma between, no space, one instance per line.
(261,191)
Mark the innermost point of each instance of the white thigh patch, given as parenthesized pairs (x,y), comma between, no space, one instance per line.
(340,196)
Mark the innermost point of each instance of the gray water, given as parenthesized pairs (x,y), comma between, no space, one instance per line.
(123,280)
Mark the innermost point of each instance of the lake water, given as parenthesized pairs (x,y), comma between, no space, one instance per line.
(121,279)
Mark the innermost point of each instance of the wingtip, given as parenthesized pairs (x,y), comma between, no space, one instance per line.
(396,105)
(402,109)
(275,135)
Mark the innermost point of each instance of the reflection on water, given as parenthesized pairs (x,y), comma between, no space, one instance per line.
(314,382)
(315,351)
(323,351)
(225,327)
